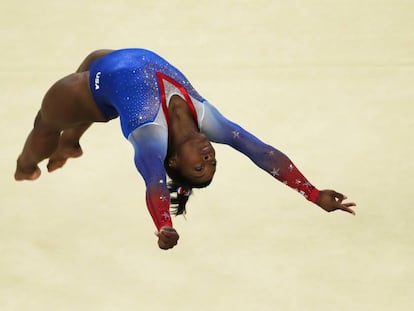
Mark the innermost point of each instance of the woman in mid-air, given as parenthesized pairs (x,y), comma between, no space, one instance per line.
(169,124)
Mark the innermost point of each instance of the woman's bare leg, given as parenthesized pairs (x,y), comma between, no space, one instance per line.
(67,112)
(67,105)
(40,144)
(68,147)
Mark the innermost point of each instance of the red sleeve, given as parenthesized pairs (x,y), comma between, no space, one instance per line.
(288,173)
(158,203)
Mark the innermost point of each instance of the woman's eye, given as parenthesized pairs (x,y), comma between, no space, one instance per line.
(198,168)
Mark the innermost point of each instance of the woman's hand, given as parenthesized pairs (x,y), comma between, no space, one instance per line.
(330,201)
(167,237)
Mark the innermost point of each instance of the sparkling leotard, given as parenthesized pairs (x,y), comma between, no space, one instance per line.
(137,85)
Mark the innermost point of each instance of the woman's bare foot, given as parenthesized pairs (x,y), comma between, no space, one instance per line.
(62,154)
(26,173)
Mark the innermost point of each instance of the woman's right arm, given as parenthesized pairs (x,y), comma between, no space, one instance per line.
(150,146)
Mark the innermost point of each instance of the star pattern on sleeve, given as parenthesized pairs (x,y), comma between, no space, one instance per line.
(275,172)
(236,134)
(166,216)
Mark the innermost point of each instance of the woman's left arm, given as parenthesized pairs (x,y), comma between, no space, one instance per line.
(221,130)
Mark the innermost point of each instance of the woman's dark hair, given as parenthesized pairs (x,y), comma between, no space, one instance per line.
(180,189)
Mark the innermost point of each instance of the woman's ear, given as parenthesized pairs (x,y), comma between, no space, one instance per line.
(172,162)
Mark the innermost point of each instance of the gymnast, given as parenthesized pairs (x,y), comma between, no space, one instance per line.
(169,124)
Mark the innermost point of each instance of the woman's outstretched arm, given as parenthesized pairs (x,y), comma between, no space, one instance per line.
(221,130)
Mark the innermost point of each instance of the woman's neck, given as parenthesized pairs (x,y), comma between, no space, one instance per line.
(182,123)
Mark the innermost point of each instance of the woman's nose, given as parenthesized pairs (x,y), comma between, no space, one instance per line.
(206,157)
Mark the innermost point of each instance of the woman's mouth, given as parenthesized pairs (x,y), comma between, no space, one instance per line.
(206,149)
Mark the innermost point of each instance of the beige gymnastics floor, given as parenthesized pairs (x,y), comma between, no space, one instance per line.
(330,83)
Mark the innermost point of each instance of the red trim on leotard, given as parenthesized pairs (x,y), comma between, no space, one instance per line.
(161,77)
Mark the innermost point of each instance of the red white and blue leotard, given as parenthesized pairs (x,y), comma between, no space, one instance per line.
(136,85)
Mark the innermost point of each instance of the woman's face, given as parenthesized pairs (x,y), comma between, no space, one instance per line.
(196,159)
